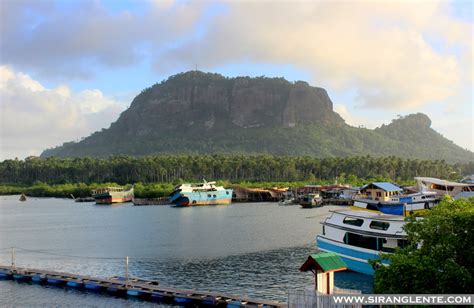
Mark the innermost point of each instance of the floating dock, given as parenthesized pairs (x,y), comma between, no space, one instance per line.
(149,290)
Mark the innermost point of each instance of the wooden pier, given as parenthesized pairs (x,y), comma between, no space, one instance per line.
(132,287)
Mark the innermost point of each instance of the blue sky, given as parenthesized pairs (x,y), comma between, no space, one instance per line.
(84,61)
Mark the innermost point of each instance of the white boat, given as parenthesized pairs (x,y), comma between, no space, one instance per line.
(360,236)
(400,204)
(205,193)
(442,187)
(290,201)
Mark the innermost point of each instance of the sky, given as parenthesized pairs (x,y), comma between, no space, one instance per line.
(69,68)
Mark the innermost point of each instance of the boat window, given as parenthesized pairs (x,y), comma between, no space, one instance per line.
(209,196)
(226,192)
(358,240)
(213,196)
(379,225)
(353,221)
(402,243)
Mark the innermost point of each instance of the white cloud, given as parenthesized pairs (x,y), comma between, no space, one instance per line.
(34,118)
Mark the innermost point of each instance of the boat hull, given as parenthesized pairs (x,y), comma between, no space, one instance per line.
(109,197)
(202,198)
(357,259)
(400,209)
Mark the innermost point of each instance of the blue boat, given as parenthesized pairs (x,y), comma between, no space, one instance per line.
(206,193)
(387,198)
(38,278)
(360,236)
(74,284)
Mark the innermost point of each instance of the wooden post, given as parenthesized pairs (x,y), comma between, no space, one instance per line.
(13,258)
(126,271)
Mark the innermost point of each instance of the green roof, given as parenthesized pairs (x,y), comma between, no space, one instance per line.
(329,261)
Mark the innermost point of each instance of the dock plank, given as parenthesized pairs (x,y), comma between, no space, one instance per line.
(146,286)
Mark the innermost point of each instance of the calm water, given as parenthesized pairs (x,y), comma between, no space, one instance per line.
(251,249)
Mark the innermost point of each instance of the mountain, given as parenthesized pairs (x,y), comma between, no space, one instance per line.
(196,112)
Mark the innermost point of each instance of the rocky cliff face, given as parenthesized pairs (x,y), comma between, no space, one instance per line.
(195,100)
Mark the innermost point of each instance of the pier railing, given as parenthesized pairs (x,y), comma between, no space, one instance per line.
(310,298)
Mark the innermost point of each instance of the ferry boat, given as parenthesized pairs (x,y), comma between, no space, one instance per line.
(109,195)
(206,193)
(311,200)
(360,236)
(399,204)
(443,187)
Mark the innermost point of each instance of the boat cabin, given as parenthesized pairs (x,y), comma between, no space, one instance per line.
(380,191)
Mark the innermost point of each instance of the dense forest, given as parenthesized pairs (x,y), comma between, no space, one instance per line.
(232,168)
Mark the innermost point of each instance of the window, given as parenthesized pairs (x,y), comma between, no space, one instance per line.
(208,196)
(368,242)
(213,196)
(353,221)
(379,194)
(402,243)
(379,225)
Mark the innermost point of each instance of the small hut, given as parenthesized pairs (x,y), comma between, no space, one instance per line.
(323,265)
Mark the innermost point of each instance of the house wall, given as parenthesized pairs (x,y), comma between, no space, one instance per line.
(378,194)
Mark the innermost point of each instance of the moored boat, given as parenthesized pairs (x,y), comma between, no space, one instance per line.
(206,193)
(109,195)
(360,236)
(399,204)
(311,200)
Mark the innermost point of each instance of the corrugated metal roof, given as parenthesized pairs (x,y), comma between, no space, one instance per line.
(329,261)
(385,186)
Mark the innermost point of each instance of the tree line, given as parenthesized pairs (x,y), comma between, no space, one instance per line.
(232,168)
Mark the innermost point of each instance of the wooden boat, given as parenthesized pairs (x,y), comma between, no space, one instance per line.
(109,195)
(23,197)
(311,200)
